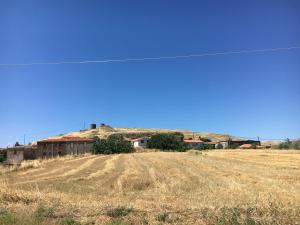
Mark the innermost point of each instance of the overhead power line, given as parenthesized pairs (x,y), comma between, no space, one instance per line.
(153,58)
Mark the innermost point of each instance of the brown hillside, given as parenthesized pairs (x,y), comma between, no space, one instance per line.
(105,131)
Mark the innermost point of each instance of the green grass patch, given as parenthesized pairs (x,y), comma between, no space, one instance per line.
(162,217)
(118,212)
(68,221)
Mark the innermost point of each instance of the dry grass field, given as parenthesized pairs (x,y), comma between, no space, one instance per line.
(215,187)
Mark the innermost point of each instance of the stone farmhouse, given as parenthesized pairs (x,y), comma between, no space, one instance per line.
(48,148)
(64,146)
(18,153)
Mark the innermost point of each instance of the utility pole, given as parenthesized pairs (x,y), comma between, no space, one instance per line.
(24,137)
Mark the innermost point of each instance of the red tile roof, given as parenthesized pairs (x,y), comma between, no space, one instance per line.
(246,146)
(68,139)
(192,141)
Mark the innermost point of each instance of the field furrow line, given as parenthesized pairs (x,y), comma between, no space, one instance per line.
(109,166)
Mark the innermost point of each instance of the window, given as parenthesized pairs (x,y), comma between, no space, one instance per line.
(15,152)
(142,141)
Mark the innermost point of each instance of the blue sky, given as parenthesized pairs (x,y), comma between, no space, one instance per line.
(243,94)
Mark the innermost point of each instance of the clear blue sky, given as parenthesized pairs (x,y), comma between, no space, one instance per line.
(244,94)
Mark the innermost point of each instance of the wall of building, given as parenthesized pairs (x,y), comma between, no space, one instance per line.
(77,148)
(224,144)
(140,143)
(54,149)
(15,156)
(194,145)
(49,150)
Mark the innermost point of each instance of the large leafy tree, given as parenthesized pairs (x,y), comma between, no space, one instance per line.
(115,143)
(168,141)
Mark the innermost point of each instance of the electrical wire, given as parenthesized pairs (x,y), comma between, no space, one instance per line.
(151,58)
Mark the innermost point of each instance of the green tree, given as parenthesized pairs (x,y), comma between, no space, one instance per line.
(296,145)
(219,146)
(2,157)
(167,141)
(115,143)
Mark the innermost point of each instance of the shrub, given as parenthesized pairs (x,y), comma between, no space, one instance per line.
(118,212)
(205,139)
(296,145)
(6,217)
(233,145)
(42,212)
(115,222)
(169,141)
(2,157)
(219,146)
(68,221)
(162,217)
(115,143)
(289,145)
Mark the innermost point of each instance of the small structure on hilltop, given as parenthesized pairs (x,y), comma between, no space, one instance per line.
(93,126)
(106,127)
(194,143)
(140,142)
(64,146)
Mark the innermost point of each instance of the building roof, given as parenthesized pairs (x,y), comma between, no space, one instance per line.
(211,142)
(192,141)
(246,146)
(67,139)
(20,147)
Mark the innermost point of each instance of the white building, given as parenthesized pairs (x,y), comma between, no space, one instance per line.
(140,142)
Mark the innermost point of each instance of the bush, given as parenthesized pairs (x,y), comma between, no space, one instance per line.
(6,217)
(2,157)
(296,145)
(118,212)
(162,217)
(115,143)
(169,141)
(219,146)
(289,145)
(233,145)
(68,221)
(44,212)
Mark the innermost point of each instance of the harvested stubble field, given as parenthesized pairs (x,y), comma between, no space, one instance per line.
(215,187)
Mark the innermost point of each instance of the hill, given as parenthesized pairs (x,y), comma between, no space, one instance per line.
(104,131)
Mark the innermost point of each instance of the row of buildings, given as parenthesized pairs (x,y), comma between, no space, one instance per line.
(70,145)
(198,143)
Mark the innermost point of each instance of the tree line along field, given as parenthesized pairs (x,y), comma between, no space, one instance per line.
(211,187)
